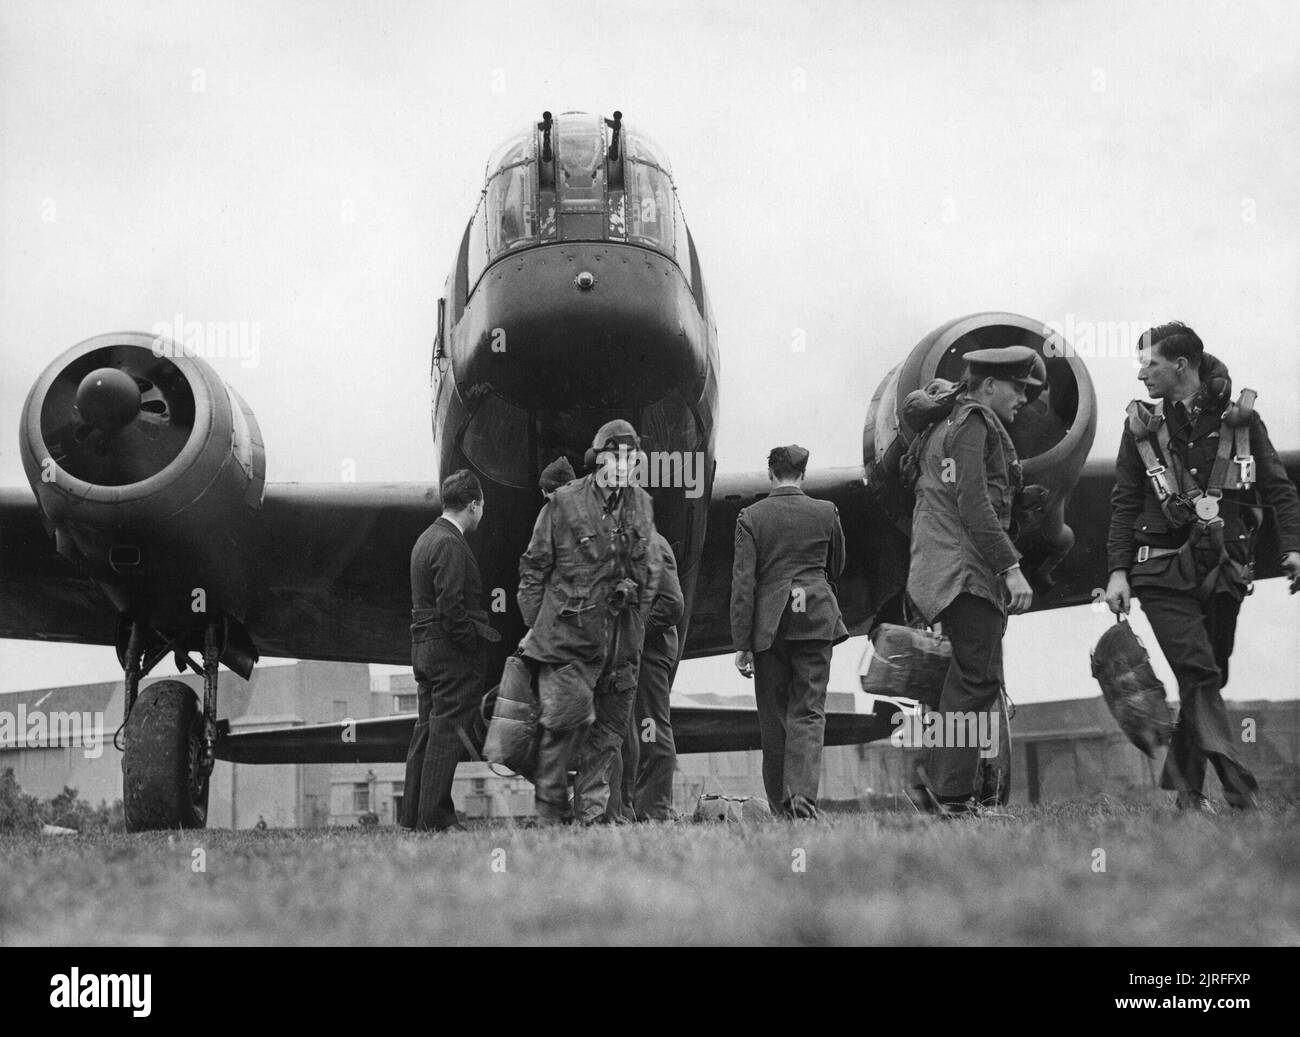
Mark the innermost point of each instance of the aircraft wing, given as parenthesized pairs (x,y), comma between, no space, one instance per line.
(332,566)
(697,728)
(43,596)
(333,587)
(875,568)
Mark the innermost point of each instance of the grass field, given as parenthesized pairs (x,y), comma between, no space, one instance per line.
(878,878)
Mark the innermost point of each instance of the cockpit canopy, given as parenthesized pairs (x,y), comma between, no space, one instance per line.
(576,177)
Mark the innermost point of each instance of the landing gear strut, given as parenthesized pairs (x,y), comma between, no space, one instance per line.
(167,756)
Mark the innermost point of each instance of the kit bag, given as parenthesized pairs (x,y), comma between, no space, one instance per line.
(513,732)
(713,806)
(907,662)
(1133,692)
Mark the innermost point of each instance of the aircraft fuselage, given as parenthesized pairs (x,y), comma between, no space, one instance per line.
(541,344)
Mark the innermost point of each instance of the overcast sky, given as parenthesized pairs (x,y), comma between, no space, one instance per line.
(857,172)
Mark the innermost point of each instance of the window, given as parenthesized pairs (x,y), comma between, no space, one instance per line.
(405,704)
(360,797)
(518,148)
(580,163)
(511,211)
(479,786)
(640,148)
(650,206)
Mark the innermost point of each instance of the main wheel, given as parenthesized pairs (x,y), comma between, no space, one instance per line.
(163,784)
(993,776)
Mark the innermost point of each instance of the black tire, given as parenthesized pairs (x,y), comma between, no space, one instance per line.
(162,785)
(993,776)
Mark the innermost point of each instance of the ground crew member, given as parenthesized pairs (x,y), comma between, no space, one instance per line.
(964,570)
(554,475)
(649,754)
(449,630)
(784,620)
(1193,477)
(586,585)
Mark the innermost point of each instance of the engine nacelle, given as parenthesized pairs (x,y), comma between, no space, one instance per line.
(149,472)
(1052,434)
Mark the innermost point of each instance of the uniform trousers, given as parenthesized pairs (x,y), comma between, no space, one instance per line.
(790,681)
(1197,640)
(449,691)
(974,627)
(649,753)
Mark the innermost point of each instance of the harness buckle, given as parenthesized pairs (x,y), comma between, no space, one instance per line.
(1144,552)
(1207,507)
(1247,465)
(1156,473)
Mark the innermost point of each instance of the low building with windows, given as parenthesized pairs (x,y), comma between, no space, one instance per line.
(285,795)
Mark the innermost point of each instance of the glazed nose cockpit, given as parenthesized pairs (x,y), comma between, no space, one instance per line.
(581,285)
(577,177)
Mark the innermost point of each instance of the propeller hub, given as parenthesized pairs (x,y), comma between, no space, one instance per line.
(108,399)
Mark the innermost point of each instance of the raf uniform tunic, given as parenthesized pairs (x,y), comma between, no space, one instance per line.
(969,476)
(968,480)
(1197,635)
(789,547)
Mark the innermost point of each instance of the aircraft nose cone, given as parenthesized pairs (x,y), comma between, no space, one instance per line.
(108,399)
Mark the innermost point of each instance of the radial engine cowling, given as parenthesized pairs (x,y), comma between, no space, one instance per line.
(149,472)
(1052,434)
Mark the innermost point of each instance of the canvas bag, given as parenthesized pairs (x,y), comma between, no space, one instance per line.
(513,732)
(1133,692)
(907,662)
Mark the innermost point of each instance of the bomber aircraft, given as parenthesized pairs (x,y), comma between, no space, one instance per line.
(575,295)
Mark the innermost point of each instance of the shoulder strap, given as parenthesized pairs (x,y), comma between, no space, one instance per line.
(1234,467)
(959,415)
(1147,422)
(1185,483)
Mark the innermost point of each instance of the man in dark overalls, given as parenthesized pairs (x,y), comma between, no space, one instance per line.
(586,585)
(1194,473)
(965,571)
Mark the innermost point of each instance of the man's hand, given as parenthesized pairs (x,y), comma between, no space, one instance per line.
(1291,564)
(1022,595)
(745,663)
(1117,592)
